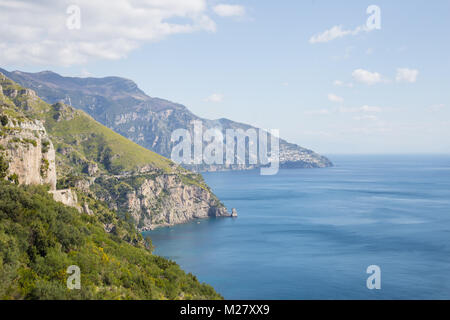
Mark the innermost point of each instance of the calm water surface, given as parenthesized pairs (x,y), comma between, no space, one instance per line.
(311,234)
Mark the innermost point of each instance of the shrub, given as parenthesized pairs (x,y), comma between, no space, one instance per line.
(14,178)
(30,141)
(4,166)
(44,168)
(40,238)
(45,146)
(3,120)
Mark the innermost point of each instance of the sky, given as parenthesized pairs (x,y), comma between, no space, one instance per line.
(315,70)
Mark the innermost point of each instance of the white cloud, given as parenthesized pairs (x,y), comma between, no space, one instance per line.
(406,75)
(367,77)
(371,78)
(228,10)
(335,33)
(339,83)
(36,32)
(334,98)
(215,97)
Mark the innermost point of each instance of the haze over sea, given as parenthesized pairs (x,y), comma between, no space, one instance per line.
(312,233)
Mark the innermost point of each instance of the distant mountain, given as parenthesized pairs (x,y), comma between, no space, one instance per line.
(119,104)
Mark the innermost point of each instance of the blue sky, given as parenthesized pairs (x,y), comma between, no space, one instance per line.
(383,91)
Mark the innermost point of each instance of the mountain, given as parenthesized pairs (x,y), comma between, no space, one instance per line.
(42,240)
(119,104)
(95,160)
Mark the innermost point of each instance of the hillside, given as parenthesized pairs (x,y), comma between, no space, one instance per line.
(88,138)
(99,162)
(119,104)
(40,239)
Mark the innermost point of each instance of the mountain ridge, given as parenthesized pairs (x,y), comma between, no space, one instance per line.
(119,104)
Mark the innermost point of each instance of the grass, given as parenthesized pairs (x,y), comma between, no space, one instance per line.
(126,153)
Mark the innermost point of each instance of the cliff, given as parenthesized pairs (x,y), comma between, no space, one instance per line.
(161,200)
(27,148)
(97,161)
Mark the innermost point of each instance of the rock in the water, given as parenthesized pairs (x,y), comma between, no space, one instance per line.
(234,213)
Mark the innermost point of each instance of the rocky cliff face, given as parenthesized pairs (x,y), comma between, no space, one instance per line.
(68,197)
(167,201)
(25,146)
(29,152)
(162,200)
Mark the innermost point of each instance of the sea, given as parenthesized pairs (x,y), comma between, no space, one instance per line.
(321,233)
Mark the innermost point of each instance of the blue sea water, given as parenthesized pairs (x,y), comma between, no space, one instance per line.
(312,233)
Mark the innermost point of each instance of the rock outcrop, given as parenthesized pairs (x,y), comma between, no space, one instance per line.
(67,197)
(163,200)
(29,151)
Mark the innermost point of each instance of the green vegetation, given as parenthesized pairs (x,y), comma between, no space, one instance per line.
(45,146)
(14,178)
(96,143)
(44,168)
(40,239)
(4,165)
(30,141)
(20,99)
(3,120)
(194,179)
